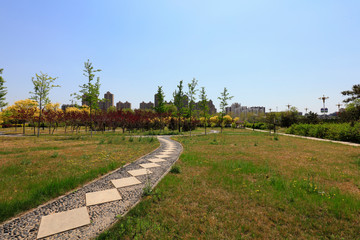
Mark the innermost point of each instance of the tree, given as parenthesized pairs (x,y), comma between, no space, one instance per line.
(90,91)
(354,93)
(42,86)
(179,99)
(224,98)
(204,108)
(352,112)
(192,97)
(3,91)
(160,106)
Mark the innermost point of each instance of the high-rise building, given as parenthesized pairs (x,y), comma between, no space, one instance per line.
(121,105)
(109,97)
(108,101)
(144,105)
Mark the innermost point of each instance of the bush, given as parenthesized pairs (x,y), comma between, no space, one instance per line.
(333,131)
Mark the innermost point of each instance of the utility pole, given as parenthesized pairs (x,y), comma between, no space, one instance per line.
(324,110)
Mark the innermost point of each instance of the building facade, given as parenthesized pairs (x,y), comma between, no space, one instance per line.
(146,106)
(121,105)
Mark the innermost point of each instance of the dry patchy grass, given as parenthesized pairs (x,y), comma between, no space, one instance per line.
(246,185)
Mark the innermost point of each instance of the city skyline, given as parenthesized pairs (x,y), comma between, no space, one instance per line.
(265,53)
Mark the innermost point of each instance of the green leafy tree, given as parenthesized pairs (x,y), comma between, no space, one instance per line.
(43,83)
(90,91)
(3,91)
(204,108)
(179,98)
(224,98)
(354,93)
(191,94)
(351,113)
(160,104)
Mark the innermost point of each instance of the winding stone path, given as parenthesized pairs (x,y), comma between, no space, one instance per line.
(89,210)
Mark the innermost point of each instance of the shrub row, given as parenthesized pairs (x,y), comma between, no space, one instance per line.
(333,131)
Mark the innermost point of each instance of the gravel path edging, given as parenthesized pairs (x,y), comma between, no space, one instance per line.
(26,225)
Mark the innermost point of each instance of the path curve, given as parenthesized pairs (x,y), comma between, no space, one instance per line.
(89,210)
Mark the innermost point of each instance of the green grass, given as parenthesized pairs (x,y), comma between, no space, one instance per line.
(287,188)
(35,170)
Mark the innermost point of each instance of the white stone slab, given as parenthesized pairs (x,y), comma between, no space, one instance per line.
(63,221)
(149,165)
(161,155)
(99,197)
(124,182)
(139,172)
(155,160)
(167,151)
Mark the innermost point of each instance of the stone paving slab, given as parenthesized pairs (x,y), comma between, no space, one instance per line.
(99,197)
(139,172)
(163,155)
(168,151)
(63,221)
(149,165)
(155,160)
(125,182)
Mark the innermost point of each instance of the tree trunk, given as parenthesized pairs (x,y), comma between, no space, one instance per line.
(205,126)
(38,134)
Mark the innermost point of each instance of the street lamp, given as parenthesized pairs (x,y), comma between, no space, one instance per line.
(288,106)
(324,109)
(338,105)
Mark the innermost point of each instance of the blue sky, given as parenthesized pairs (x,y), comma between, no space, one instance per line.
(267,53)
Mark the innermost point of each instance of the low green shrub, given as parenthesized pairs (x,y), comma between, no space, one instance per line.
(332,131)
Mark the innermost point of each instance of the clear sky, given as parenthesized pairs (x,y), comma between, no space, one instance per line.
(267,53)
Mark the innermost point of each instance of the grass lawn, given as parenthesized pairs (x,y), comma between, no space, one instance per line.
(29,131)
(34,170)
(248,185)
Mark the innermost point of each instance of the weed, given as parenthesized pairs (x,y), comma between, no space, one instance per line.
(140,138)
(123,138)
(101,141)
(276,137)
(147,190)
(175,169)
(25,162)
(357,162)
(131,139)
(54,155)
(110,141)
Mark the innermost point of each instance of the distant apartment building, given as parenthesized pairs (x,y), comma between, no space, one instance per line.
(256,110)
(211,107)
(65,106)
(108,101)
(227,110)
(121,105)
(236,110)
(83,101)
(146,106)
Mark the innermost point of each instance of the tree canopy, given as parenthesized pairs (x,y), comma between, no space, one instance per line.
(354,93)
